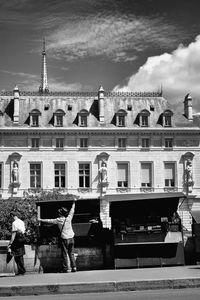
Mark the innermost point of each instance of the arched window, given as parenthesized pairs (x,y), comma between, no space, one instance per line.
(83,118)
(34,117)
(121,118)
(144,118)
(167,118)
(58,118)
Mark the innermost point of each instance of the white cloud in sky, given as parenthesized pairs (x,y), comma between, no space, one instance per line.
(118,37)
(31,82)
(178,73)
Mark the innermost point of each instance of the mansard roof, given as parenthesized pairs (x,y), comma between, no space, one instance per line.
(72,103)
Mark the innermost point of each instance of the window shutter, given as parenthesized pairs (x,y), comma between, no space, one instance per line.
(122,172)
(145,172)
(169,171)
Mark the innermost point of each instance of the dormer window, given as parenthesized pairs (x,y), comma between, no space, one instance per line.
(144,118)
(167,118)
(121,118)
(83,118)
(34,117)
(58,118)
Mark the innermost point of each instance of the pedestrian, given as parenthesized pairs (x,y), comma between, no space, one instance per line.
(17,241)
(64,222)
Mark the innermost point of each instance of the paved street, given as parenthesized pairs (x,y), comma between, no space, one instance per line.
(101,281)
(183,294)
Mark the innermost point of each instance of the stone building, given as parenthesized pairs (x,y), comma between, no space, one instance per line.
(129,153)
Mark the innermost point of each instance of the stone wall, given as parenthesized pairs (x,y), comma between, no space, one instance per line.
(47,258)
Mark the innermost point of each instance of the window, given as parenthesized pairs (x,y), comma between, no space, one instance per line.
(1,175)
(83,116)
(167,118)
(84,175)
(146,175)
(121,118)
(34,117)
(83,143)
(169,174)
(35,175)
(59,173)
(83,121)
(168,143)
(167,121)
(144,118)
(122,175)
(145,143)
(35,143)
(35,120)
(58,118)
(122,142)
(59,142)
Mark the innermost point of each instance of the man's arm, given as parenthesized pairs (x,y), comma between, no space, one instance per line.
(12,238)
(71,212)
(51,221)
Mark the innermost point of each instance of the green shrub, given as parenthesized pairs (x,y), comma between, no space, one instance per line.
(27,210)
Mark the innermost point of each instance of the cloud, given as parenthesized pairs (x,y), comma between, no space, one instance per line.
(178,73)
(85,29)
(31,82)
(59,86)
(118,37)
(20,74)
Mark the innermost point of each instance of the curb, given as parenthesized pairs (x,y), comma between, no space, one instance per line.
(95,287)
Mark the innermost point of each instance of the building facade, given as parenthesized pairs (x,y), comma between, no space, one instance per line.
(114,148)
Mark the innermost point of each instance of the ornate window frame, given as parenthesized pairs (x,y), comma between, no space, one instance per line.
(144,118)
(121,118)
(35,118)
(58,118)
(83,118)
(167,118)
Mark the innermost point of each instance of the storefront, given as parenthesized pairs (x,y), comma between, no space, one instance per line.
(146,229)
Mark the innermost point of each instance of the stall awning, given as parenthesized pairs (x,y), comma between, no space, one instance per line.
(142,196)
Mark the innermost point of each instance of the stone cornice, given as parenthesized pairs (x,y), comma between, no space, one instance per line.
(98,130)
(83,94)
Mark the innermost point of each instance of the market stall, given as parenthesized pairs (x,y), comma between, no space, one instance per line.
(146,230)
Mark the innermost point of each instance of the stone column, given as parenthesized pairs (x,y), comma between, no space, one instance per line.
(16,106)
(101,105)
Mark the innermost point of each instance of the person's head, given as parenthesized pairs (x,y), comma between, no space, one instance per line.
(63,212)
(15,215)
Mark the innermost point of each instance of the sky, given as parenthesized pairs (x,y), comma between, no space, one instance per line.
(123,45)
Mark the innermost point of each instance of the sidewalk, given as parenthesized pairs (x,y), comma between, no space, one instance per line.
(101,281)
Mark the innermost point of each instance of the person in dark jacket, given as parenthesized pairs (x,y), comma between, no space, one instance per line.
(16,244)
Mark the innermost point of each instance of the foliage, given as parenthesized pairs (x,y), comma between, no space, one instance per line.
(27,210)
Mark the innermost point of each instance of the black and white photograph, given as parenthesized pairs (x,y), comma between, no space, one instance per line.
(99,149)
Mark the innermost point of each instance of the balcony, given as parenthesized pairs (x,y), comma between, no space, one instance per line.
(147,189)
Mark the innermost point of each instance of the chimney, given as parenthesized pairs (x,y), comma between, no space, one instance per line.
(16,105)
(101,104)
(188,107)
